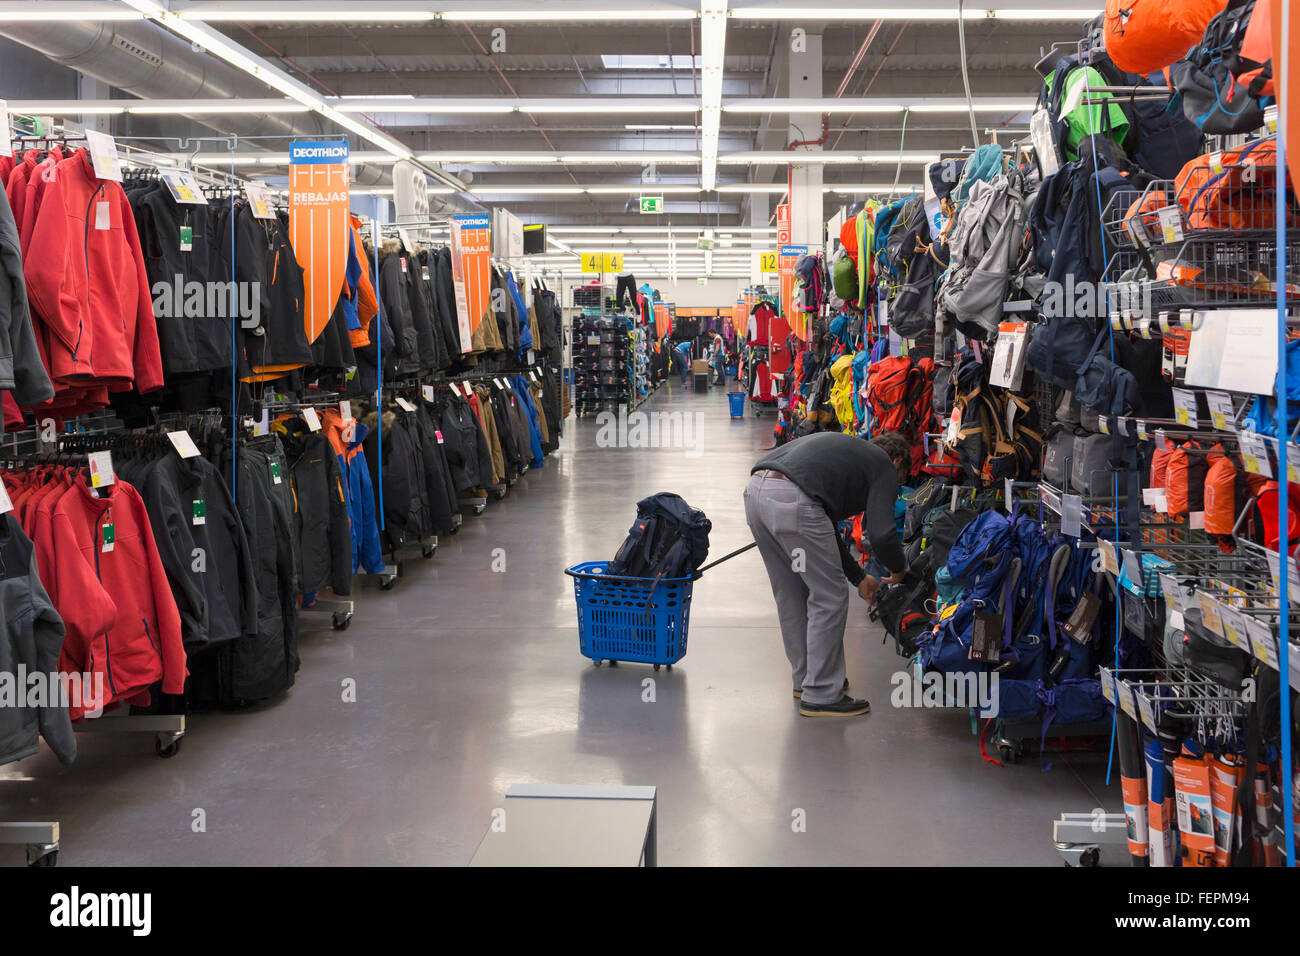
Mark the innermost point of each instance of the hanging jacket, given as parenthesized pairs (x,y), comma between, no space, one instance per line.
(395,295)
(359,491)
(21,368)
(405,502)
(440,493)
(444,297)
(462,434)
(534,430)
(263,254)
(324,535)
(32,639)
(523,315)
(190,508)
(108,583)
(87,280)
(486,417)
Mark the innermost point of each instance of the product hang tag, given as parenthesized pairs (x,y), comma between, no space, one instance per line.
(1215,162)
(1263,640)
(1121,425)
(1234,627)
(311,418)
(405,405)
(108,537)
(1071,515)
(531,357)
(1103,424)
(1146,709)
(1141,430)
(263,425)
(1079,626)
(424,273)
(1221,412)
(986,638)
(1171,223)
(1293,576)
(1162,501)
(345,410)
(1149,496)
(1254,454)
(5,504)
(198,511)
(187,239)
(1293,463)
(402,260)
(259,201)
(183,444)
(1185,407)
(276,477)
(438,435)
(103,155)
(101,469)
(1132,569)
(1124,697)
(1107,681)
(103,216)
(1209,606)
(426,392)
(6,144)
(1270,118)
(1109,560)
(184,187)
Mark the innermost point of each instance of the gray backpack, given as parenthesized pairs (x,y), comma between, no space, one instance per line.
(1091,469)
(985,249)
(1056,457)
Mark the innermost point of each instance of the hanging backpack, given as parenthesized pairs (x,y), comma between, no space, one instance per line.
(842,391)
(669,539)
(1143,36)
(1209,78)
(911,301)
(844,278)
(893,385)
(1185,480)
(1222,502)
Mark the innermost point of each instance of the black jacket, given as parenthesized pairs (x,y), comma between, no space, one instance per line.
(215,586)
(324,534)
(407,517)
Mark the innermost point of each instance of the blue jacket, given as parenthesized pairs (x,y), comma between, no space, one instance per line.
(534,429)
(360,495)
(521,306)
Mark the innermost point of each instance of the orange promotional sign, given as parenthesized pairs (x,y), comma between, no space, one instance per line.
(318,225)
(663,321)
(471,272)
(789,286)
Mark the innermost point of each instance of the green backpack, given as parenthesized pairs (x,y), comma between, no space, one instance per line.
(844,278)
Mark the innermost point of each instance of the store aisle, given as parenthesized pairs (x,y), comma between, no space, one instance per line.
(468,680)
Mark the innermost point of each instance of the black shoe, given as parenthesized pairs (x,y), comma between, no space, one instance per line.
(798,695)
(846,706)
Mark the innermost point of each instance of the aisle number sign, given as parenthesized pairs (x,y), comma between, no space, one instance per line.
(768,261)
(471,272)
(318,224)
(602,261)
(789,286)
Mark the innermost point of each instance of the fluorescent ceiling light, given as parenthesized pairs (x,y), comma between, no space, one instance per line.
(190,107)
(921,10)
(496,159)
(919,104)
(642,188)
(649,61)
(660,127)
(379,104)
(547,12)
(782,157)
(770,189)
(20,12)
(624,157)
(850,189)
(64,108)
(304,12)
(526,190)
(713,44)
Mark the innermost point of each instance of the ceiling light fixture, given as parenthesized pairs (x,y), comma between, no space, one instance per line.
(713,46)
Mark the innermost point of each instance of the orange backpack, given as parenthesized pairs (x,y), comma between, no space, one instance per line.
(1220,493)
(1143,36)
(1159,467)
(1242,196)
(1186,480)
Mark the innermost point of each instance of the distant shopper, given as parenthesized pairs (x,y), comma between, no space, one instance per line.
(796,496)
(683,353)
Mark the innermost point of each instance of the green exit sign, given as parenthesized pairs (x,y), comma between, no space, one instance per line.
(652,205)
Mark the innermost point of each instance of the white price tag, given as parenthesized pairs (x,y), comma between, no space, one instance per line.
(1221,412)
(1149,496)
(103,155)
(426,392)
(1254,454)
(1071,515)
(1185,407)
(1132,568)
(1146,709)
(1007,499)
(103,216)
(1124,695)
(1293,576)
(183,186)
(1171,223)
(1210,606)
(345,410)
(263,425)
(530,357)
(1121,424)
(1109,560)
(5,504)
(1263,640)
(1107,680)
(259,202)
(1173,592)
(1162,501)
(1103,424)
(1234,626)
(183,444)
(1215,162)
(101,469)
(1142,431)
(1293,463)
(311,418)
(1270,118)
(1196,520)
(405,405)
(500,384)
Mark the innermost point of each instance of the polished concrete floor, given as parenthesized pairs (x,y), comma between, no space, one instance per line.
(469,680)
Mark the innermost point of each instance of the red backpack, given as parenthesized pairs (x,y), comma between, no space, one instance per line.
(894,388)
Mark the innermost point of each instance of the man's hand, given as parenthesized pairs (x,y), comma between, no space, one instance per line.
(896,578)
(868,589)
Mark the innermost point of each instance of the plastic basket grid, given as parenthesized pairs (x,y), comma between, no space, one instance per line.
(623,620)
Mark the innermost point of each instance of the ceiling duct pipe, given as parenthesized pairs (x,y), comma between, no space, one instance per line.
(151,62)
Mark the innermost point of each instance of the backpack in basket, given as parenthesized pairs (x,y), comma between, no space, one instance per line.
(669,539)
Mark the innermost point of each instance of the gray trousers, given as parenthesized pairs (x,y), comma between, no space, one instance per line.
(802,557)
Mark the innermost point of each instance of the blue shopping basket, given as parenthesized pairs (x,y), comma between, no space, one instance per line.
(737,401)
(630,619)
(642,620)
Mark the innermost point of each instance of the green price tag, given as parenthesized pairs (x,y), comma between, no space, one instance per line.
(109,537)
(275,472)
(187,238)
(199,511)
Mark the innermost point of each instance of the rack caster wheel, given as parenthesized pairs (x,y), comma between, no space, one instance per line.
(1088,859)
(427,553)
(167,746)
(401,569)
(388,583)
(1008,754)
(43,855)
(341,621)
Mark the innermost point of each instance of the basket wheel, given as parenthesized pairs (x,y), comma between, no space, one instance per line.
(656,667)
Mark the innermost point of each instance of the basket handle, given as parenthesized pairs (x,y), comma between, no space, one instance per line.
(714,564)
